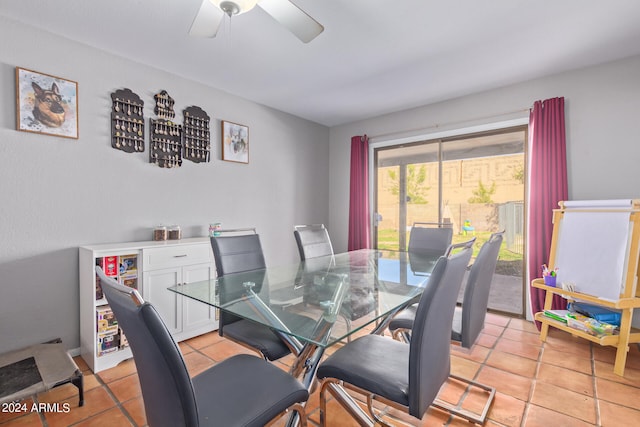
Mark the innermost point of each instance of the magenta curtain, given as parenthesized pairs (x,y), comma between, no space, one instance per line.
(548,186)
(359,234)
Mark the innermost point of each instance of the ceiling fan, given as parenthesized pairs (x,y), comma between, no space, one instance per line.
(211,13)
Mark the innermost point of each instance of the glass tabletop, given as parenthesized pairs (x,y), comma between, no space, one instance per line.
(321,300)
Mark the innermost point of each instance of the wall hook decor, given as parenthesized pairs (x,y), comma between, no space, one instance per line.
(196,134)
(127,121)
(165,145)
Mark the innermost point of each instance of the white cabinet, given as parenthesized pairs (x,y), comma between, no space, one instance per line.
(185,317)
(101,343)
(195,314)
(151,267)
(155,291)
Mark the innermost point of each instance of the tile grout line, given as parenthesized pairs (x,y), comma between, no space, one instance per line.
(596,399)
(43,419)
(482,364)
(113,396)
(525,413)
(534,382)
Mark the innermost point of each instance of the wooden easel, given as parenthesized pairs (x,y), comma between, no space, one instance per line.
(628,298)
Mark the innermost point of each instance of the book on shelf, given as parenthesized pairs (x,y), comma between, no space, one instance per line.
(559,315)
(599,313)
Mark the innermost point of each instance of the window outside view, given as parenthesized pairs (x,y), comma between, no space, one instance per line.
(477,184)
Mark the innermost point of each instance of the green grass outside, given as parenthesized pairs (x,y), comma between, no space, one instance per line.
(388,239)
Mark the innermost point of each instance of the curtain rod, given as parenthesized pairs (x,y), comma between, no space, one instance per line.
(439,125)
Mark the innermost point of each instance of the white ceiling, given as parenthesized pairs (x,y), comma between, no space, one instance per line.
(374,56)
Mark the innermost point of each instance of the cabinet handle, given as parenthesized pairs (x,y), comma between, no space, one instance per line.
(180,256)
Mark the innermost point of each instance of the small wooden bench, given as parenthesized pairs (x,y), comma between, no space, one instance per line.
(37,368)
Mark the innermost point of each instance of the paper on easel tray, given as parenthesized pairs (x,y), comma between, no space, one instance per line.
(590,325)
(615,203)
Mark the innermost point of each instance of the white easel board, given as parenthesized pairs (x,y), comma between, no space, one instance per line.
(592,248)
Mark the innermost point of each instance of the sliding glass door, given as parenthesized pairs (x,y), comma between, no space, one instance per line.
(407,191)
(475,182)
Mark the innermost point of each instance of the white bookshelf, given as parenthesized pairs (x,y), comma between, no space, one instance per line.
(158,265)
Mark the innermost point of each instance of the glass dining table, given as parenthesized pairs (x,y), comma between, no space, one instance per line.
(334,298)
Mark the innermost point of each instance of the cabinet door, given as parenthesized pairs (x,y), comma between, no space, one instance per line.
(195,313)
(168,304)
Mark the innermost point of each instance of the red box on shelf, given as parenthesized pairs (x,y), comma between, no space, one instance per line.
(110,266)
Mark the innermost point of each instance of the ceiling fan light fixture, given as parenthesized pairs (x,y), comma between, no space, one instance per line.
(235,7)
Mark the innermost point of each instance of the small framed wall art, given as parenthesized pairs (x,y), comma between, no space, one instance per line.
(235,142)
(46,104)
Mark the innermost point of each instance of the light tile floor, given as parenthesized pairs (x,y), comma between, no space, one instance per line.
(563,382)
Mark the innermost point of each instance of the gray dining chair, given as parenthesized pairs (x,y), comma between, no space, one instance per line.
(312,240)
(239,252)
(425,238)
(468,319)
(430,237)
(406,377)
(242,390)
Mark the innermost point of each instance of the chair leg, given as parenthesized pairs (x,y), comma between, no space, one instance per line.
(347,321)
(302,416)
(323,404)
(333,386)
(402,335)
(463,413)
(296,407)
(364,418)
(376,417)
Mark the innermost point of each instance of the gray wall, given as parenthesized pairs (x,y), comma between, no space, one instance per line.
(57,194)
(601,113)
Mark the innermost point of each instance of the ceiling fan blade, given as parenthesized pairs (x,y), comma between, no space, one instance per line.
(293,18)
(207,20)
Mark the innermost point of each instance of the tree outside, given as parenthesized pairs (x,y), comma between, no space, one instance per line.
(416,188)
(483,194)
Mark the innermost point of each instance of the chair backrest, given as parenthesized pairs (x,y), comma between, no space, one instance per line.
(476,293)
(429,364)
(313,241)
(168,394)
(434,238)
(236,254)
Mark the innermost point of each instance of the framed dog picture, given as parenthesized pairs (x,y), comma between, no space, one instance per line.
(235,142)
(46,104)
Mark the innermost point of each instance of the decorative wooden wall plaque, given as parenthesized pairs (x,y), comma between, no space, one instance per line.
(196,134)
(127,121)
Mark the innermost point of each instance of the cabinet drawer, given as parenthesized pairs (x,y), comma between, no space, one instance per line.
(175,256)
